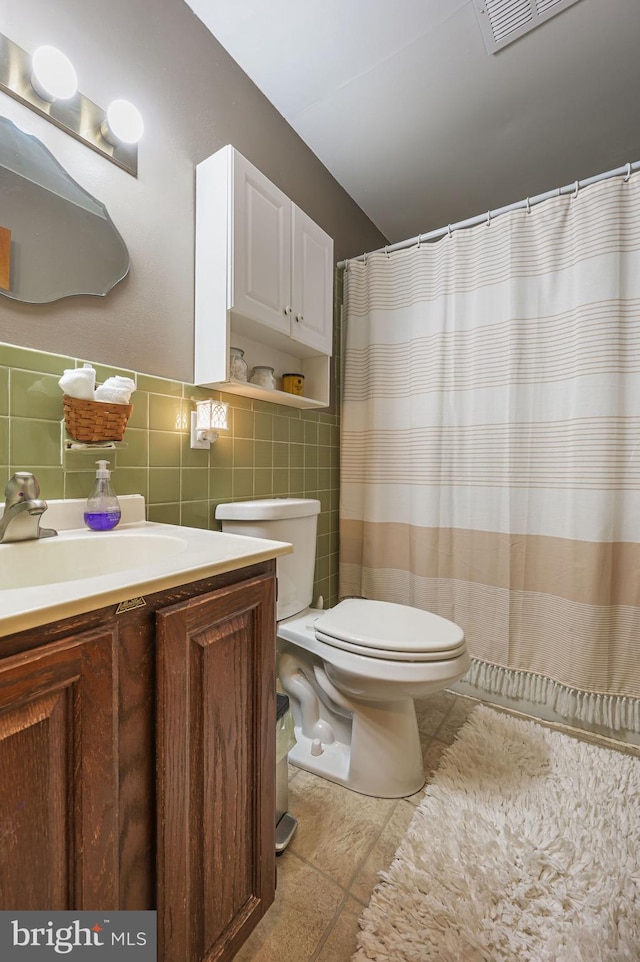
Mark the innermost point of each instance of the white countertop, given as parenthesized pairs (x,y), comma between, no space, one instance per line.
(81,570)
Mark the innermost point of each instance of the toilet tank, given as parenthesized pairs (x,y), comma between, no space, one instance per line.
(281,519)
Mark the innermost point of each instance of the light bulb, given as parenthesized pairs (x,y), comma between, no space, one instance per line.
(53,76)
(123,124)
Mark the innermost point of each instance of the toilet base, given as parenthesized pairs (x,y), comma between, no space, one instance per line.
(382,761)
(355,718)
(333,763)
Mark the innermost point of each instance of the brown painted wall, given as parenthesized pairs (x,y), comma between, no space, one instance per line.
(194,99)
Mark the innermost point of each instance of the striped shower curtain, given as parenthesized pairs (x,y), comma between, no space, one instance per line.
(491,445)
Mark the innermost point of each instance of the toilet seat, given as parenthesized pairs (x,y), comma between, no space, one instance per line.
(299,631)
(381,629)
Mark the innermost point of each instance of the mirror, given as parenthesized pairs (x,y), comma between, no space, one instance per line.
(57,240)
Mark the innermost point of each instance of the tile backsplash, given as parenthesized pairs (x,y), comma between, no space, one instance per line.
(270,450)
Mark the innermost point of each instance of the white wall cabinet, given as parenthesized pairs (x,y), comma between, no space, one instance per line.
(264,282)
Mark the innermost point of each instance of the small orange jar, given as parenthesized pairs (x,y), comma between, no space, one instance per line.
(293,384)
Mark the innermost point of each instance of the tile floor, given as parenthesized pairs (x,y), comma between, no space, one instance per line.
(327,874)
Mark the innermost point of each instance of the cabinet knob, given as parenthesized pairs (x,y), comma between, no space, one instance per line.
(287,309)
(299,318)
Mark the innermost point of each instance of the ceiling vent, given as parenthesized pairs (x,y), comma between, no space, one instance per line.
(503,21)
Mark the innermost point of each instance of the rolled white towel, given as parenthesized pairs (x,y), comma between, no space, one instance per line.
(79,382)
(115,390)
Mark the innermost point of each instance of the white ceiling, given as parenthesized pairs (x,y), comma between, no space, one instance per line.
(403,104)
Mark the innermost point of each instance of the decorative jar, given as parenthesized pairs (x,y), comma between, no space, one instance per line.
(238,366)
(264,377)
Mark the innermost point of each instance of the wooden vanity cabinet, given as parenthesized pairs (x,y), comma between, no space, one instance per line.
(137,762)
(59,781)
(216,770)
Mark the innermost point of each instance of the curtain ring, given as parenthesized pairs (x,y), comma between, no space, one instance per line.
(386,250)
(449,230)
(364,258)
(528,206)
(577,188)
(419,242)
(628,174)
(488,218)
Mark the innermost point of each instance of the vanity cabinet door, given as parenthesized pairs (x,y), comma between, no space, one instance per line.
(215,769)
(58,783)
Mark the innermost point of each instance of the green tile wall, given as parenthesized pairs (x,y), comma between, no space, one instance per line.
(270,450)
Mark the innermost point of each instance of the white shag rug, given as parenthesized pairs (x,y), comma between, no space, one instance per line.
(526,848)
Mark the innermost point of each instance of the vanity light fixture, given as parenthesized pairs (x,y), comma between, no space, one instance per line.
(208,418)
(47,83)
(53,76)
(123,123)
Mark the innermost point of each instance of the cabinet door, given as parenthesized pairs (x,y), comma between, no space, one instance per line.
(261,264)
(59,784)
(312,280)
(216,770)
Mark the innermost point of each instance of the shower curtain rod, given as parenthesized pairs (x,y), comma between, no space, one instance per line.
(489,216)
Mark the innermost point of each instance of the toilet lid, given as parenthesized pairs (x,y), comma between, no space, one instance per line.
(385,630)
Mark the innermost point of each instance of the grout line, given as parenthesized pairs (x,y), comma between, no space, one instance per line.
(320,871)
(9,418)
(329,929)
(371,847)
(356,874)
(443,720)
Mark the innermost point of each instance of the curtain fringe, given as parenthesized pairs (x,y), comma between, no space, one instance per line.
(615,712)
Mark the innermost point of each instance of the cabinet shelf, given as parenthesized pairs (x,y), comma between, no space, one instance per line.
(246,389)
(316,371)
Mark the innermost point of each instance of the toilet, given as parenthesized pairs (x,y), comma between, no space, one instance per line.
(351,672)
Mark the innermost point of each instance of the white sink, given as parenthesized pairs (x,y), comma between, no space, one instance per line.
(81,570)
(76,555)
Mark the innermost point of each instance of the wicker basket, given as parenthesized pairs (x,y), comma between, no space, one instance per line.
(95,420)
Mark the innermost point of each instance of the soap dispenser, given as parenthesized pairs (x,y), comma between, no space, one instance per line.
(103,510)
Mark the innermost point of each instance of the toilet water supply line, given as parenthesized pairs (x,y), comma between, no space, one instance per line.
(525,204)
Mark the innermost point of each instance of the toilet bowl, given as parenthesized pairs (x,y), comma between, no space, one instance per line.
(352,672)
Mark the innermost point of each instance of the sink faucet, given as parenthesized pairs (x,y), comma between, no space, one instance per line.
(23,510)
